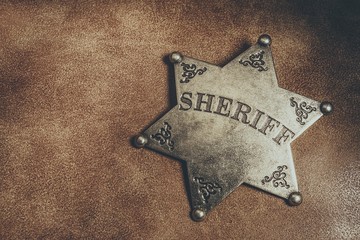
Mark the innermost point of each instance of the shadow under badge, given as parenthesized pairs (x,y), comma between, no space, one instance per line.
(233,125)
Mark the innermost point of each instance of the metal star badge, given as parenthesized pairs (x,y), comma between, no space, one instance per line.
(233,125)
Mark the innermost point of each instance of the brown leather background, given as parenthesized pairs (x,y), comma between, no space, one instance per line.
(78,79)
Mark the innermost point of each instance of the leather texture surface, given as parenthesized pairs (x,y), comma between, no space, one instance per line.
(78,79)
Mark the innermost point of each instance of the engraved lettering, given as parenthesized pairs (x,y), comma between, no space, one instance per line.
(244,112)
(224,106)
(240,111)
(284,134)
(269,124)
(186,100)
(256,119)
(200,101)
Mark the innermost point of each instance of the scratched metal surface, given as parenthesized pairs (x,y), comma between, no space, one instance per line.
(233,125)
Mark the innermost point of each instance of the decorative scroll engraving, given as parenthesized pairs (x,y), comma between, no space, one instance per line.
(255,61)
(207,188)
(190,72)
(163,136)
(302,110)
(277,177)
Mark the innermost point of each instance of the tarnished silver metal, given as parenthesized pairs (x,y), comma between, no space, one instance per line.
(198,215)
(233,125)
(140,141)
(264,40)
(176,57)
(295,199)
(326,108)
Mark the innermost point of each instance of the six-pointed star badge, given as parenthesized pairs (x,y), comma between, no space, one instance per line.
(233,125)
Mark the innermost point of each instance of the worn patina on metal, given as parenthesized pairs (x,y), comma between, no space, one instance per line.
(233,125)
